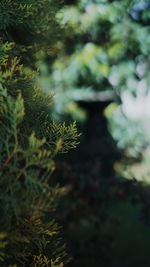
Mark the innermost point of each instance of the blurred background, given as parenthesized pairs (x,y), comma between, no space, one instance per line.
(101,79)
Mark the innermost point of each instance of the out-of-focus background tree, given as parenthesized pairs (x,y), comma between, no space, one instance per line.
(106,48)
(100,77)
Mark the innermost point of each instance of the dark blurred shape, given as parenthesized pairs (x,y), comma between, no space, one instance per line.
(71,2)
(97,137)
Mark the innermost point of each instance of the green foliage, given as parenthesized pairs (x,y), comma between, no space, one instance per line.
(63,137)
(29,140)
(44,262)
(106,47)
(131,135)
(31,24)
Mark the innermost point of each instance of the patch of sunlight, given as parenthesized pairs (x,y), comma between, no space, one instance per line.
(77,112)
(115,50)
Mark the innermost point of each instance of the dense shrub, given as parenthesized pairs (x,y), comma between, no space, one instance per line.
(29,140)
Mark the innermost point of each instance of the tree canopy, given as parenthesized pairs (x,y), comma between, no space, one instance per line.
(106,48)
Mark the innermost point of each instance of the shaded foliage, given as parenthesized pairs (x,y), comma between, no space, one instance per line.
(29,139)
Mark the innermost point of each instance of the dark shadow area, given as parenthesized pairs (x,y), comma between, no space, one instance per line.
(104,216)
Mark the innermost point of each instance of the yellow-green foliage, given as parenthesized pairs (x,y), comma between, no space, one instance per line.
(29,140)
